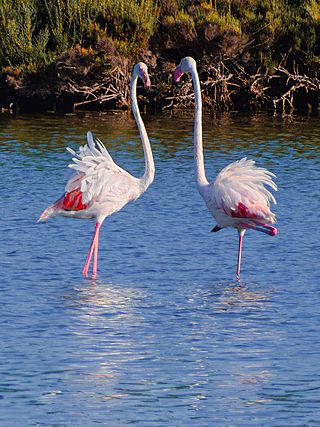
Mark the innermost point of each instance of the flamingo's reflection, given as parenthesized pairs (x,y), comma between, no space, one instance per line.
(240,295)
(106,319)
(234,336)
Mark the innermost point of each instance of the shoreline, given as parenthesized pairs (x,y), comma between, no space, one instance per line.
(279,92)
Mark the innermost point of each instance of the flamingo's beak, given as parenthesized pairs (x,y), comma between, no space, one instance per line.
(146,81)
(177,74)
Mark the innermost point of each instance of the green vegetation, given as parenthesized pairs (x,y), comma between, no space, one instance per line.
(285,31)
(50,41)
(36,32)
(266,32)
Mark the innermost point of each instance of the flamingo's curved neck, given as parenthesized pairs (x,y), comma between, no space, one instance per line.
(149,163)
(197,131)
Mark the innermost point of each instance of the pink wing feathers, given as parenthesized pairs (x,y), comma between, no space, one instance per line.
(71,201)
(240,191)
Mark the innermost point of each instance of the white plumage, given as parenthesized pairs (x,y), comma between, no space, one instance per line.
(239,196)
(101,181)
(243,183)
(99,187)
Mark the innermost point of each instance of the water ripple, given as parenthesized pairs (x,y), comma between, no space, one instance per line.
(165,336)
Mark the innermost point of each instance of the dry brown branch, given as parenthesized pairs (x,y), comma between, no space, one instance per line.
(296,82)
(112,85)
(220,82)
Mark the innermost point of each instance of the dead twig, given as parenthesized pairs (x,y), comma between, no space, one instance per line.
(295,82)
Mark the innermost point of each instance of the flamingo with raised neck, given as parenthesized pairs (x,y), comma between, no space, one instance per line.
(238,197)
(99,187)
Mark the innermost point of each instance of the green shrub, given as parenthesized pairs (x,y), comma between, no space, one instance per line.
(23,43)
(35,32)
(129,23)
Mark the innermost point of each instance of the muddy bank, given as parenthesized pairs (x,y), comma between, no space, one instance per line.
(226,85)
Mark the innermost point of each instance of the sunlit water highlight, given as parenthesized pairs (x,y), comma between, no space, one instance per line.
(165,336)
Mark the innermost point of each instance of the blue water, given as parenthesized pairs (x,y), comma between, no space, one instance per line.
(165,336)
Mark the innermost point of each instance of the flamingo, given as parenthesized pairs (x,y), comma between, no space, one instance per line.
(99,187)
(237,197)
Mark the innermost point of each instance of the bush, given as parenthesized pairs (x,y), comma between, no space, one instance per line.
(262,33)
(35,32)
(23,42)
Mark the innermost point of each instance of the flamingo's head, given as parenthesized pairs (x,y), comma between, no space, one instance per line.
(141,70)
(185,66)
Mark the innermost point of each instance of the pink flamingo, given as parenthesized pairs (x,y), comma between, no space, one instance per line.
(237,197)
(99,187)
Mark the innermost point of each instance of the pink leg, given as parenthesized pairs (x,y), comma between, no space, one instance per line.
(241,234)
(93,243)
(95,255)
(264,228)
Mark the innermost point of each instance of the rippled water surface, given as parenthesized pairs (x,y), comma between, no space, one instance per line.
(165,336)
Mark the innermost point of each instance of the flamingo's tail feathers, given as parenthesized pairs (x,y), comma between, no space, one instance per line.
(47,213)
